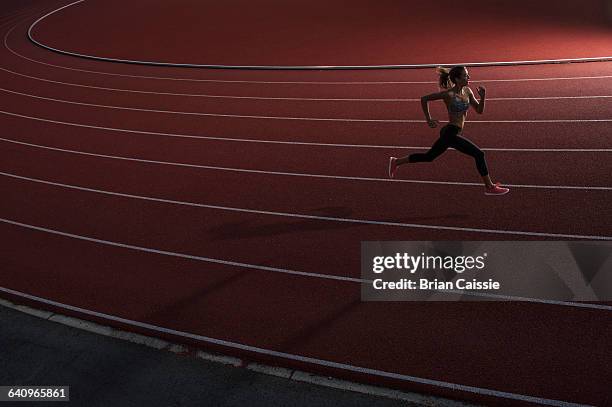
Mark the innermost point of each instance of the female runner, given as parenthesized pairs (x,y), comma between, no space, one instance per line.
(458,97)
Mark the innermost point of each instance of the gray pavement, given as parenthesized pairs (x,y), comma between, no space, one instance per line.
(104,371)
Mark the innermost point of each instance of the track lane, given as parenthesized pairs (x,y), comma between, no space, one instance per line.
(577,86)
(570,109)
(492,135)
(331,38)
(308,130)
(496,74)
(456,204)
(588,86)
(515,167)
(368,74)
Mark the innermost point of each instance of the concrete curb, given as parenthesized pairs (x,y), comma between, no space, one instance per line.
(289,374)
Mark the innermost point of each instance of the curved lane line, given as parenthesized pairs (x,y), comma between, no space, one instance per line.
(205,95)
(298,143)
(290,82)
(327,119)
(361,221)
(304,175)
(304,67)
(256,266)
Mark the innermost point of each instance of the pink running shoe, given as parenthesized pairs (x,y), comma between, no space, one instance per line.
(496,189)
(392,167)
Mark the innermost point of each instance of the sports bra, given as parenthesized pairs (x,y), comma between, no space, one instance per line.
(458,105)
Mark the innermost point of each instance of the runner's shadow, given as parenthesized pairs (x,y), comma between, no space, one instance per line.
(169,311)
(254,228)
(325,322)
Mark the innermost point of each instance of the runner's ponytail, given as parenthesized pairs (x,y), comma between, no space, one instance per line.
(448,77)
(444,75)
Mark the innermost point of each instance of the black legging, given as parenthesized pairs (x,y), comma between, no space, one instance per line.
(449,137)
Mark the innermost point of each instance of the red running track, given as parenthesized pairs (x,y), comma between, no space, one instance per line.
(302,32)
(218,208)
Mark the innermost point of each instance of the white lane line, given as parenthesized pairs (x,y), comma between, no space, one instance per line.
(183,255)
(329,119)
(304,67)
(297,143)
(211,96)
(299,358)
(255,266)
(290,82)
(16,16)
(309,217)
(299,174)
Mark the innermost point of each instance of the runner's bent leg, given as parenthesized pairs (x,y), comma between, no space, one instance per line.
(465,146)
(438,148)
